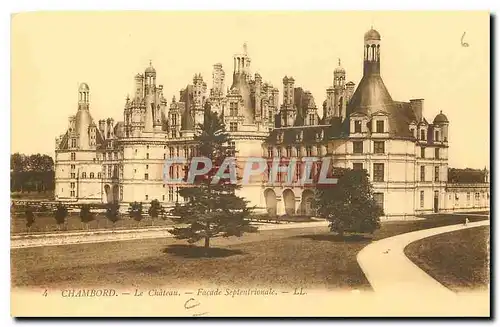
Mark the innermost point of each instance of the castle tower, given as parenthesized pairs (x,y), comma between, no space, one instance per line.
(218,77)
(257,95)
(199,97)
(288,108)
(338,93)
(82,118)
(150,87)
(371,65)
(83,97)
(139,86)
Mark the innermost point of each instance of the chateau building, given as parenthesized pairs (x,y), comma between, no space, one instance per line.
(360,127)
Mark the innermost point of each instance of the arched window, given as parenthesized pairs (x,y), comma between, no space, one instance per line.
(84,175)
(91,175)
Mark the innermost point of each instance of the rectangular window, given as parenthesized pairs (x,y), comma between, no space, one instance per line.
(422,152)
(279,152)
(421,199)
(174,120)
(379,147)
(147,155)
(422,173)
(436,174)
(73,175)
(233,127)
(171,152)
(357,166)
(171,172)
(357,147)
(436,153)
(233,109)
(288,151)
(422,134)
(378,172)
(170,193)
(146,176)
(73,156)
(174,133)
(379,199)
(380,126)
(269,152)
(357,126)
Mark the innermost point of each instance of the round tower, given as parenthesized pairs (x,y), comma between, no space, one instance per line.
(83,96)
(150,78)
(372,53)
(338,91)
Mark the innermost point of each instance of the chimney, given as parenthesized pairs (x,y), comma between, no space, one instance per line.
(417,105)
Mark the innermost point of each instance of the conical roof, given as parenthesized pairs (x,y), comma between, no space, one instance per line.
(372,96)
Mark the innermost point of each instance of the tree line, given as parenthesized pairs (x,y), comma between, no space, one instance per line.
(31,173)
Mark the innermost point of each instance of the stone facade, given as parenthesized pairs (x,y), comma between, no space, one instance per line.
(361,127)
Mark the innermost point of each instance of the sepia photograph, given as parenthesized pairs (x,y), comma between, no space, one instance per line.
(250,164)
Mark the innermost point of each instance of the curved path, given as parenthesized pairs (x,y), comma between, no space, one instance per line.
(390,272)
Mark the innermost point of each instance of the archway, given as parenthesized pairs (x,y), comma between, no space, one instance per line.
(306,205)
(289,199)
(108,195)
(271,203)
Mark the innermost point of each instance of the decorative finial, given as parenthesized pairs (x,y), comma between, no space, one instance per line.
(245,48)
(150,63)
(440,111)
(339,62)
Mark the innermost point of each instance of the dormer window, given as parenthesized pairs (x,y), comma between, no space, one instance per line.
(380,126)
(422,134)
(436,136)
(412,131)
(357,126)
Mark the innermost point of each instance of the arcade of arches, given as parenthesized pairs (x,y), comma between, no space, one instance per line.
(111,193)
(289,202)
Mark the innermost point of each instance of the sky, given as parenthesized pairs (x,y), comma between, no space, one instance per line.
(422,56)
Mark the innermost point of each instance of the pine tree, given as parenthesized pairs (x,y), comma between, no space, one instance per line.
(212,210)
(349,205)
(135,211)
(60,215)
(155,210)
(30,218)
(86,215)
(113,212)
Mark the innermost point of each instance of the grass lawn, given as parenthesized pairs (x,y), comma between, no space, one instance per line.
(307,257)
(458,260)
(47,223)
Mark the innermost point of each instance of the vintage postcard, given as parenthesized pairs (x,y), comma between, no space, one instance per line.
(250,164)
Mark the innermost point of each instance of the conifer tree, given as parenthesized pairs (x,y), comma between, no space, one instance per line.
(349,205)
(212,209)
